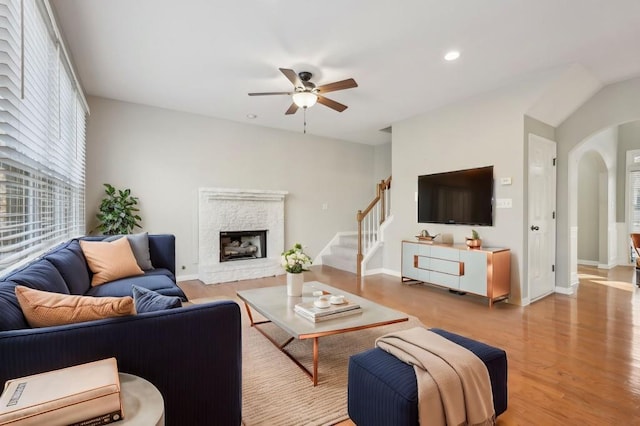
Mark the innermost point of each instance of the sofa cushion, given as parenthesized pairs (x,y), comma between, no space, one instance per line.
(11,317)
(122,287)
(41,275)
(161,271)
(70,262)
(45,309)
(149,301)
(110,260)
(140,247)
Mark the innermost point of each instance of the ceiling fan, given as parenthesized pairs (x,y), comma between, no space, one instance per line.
(306,93)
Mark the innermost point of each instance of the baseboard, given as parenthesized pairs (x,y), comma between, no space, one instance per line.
(588,262)
(575,280)
(391,272)
(185,277)
(609,266)
(373,271)
(382,271)
(564,290)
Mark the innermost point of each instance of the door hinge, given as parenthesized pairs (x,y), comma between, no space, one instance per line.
(553,268)
(553,215)
(554,162)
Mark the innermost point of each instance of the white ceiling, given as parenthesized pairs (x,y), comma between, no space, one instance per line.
(203,56)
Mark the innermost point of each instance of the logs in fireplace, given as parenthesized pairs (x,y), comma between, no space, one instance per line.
(242,245)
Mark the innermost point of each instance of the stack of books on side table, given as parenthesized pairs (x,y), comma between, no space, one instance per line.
(309,311)
(82,395)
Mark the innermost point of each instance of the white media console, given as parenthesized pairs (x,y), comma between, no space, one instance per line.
(484,271)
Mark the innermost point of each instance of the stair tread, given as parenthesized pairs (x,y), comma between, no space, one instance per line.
(339,262)
(343,247)
(344,253)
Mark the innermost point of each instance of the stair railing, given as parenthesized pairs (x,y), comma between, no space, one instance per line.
(370,220)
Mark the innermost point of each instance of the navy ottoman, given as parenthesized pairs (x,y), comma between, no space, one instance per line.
(383,390)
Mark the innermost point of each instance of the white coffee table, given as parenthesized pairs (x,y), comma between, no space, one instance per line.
(274,304)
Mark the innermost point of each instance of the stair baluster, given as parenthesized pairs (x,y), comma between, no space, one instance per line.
(373,217)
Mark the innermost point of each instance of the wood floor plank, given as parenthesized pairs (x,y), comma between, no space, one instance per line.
(572,359)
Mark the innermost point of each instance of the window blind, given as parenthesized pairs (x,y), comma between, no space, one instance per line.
(42,136)
(634,193)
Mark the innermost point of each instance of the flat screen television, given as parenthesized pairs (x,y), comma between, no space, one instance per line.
(462,197)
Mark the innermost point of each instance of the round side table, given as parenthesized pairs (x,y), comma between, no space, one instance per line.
(142,403)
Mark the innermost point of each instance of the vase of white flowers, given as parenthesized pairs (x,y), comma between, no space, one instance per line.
(295,262)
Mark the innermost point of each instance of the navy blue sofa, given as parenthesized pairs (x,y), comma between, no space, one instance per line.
(191,354)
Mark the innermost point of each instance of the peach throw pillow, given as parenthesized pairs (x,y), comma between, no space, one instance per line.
(45,309)
(110,261)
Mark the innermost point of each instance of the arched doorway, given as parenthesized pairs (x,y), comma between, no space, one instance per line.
(613,105)
(605,144)
(598,170)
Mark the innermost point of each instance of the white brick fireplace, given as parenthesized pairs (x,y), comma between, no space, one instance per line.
(226,210)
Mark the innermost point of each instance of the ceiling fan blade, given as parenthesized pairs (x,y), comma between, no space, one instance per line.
(338,85)
(269,93)
(331,103)
(292,76)
(292,109)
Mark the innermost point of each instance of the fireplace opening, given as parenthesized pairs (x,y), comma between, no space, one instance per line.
(242,245)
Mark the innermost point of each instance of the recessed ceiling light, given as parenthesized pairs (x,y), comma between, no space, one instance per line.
(452,55)
(252,116)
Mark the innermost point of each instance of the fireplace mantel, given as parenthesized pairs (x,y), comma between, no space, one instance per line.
(242,194)
(228,209)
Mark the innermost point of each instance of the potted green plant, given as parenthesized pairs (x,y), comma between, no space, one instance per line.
(474,241)
(117,213)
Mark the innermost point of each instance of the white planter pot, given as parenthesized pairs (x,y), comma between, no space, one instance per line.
(294,284)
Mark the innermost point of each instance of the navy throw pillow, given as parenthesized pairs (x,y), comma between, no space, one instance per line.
(147,300)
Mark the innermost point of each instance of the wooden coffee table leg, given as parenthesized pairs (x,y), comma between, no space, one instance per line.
(254,323)
(246,306)
(315,361)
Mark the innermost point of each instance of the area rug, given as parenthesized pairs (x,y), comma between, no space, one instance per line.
(276,391)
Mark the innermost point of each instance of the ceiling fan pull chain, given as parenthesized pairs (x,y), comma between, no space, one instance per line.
(304,110)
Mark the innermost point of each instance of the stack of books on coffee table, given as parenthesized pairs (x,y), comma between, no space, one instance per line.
(309,311)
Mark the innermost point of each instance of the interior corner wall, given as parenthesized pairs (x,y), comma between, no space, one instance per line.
(382,161)
(590,168)
(164,156)
(482,131)
(614,104)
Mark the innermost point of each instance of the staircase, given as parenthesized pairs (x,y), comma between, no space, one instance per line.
(351,251)
(343,252)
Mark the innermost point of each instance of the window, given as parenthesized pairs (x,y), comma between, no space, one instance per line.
(42,135)
(634,197)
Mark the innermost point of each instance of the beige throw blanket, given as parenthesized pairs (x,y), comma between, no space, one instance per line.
(453,383)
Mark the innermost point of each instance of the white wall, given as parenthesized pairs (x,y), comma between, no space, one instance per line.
(165,156)
(589,169)
(382,161)
(487,130)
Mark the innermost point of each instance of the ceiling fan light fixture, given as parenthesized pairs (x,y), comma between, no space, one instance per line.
(305,99)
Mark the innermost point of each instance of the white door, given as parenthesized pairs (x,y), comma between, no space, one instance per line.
(541,226)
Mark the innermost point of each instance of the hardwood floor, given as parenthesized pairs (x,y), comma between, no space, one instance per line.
(572,359)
